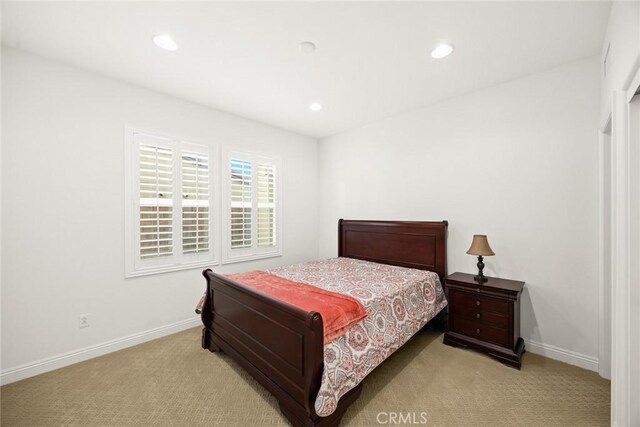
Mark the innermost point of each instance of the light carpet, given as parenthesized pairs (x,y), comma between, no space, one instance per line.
(172,381)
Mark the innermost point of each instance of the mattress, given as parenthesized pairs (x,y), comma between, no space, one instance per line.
(399,301)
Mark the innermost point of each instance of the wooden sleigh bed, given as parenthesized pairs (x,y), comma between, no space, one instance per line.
(280,345)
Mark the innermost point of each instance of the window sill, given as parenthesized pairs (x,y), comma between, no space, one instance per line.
(252,257)
(169,268)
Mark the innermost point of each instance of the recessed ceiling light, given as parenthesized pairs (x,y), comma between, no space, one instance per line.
(315,106)
(441,51)
(307,47)
(165,42)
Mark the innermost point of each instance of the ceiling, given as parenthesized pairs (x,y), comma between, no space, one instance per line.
(372,59)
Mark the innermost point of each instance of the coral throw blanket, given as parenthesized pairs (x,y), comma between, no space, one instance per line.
(338,311)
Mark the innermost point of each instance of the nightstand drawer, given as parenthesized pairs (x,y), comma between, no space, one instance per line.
(482,303)
(481,331)
(482,316)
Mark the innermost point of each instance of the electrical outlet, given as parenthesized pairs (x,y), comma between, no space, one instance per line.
(83,321)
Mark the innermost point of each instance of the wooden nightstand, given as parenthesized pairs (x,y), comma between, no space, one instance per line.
(485,316)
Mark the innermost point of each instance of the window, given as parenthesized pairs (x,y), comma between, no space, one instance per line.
(170,211)
(251,207)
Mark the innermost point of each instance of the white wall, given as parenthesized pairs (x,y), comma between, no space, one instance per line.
(517,162)
(63,211)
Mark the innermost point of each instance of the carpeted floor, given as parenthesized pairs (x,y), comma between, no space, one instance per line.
(173,382)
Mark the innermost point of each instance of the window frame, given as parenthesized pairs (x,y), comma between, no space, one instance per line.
(255,252)
(134,266)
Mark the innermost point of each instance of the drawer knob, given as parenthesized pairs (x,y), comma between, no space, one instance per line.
(477,302)
(477,289)
(477,315)
(477,331)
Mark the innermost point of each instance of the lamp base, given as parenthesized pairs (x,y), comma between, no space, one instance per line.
(480,279)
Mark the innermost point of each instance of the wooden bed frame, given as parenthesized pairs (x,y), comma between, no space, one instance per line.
(282,345)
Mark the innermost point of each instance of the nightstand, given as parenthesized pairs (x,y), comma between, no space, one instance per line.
(485,316)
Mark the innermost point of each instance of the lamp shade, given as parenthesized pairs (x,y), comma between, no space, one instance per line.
(480,246)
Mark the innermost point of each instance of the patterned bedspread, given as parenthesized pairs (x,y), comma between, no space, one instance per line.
(399,301)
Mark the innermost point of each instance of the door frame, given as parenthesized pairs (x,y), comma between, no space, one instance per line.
(605,251)
(624,311)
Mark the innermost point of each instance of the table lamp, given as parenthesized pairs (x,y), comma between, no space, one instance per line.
(480,247)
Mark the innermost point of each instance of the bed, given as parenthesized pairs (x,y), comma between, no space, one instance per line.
(283,347)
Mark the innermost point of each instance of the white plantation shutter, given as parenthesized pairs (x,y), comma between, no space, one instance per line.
(195,203)
(252,208)
(266,204)
(241,203)
(169,216)
(156,207)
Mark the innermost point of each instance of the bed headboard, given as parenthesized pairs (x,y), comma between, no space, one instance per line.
(414,244)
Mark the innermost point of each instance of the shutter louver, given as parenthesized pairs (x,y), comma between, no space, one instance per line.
(156,203)
(241,204)
(266,205)
(195,203)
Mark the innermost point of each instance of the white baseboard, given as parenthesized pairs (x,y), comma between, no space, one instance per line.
(45,365)
(562,355)
(66,359)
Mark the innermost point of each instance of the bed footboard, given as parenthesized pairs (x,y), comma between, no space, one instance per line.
(280,345)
